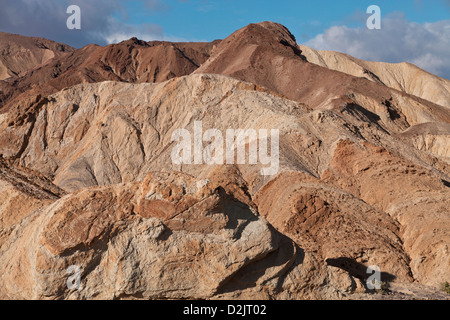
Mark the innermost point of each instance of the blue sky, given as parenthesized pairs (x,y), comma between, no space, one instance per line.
(212,19)
(416,31)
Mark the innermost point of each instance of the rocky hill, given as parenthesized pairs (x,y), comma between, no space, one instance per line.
(19,54)
(87,176)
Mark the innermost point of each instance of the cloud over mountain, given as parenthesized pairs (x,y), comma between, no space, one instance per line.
(99,21)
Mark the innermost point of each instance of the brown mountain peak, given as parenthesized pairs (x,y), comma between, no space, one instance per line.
(134,42)
(88,176)
(267,34)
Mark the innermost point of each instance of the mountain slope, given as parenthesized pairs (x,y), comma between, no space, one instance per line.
(267,54)
(343,195)
(402,76)
(88,177)
(129,61)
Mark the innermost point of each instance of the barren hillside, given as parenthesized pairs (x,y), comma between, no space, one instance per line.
(402,76)
(87,176)
(19,54)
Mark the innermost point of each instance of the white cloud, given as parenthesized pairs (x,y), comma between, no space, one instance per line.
(149,32)
(117,32)
(425,45)
(47,19)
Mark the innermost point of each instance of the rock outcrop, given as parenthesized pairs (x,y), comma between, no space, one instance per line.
(403,76)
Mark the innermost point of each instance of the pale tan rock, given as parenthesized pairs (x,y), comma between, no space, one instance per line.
(404,76)
(416,198)
(208,245)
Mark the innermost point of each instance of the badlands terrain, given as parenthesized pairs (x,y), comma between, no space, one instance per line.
(87,178)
